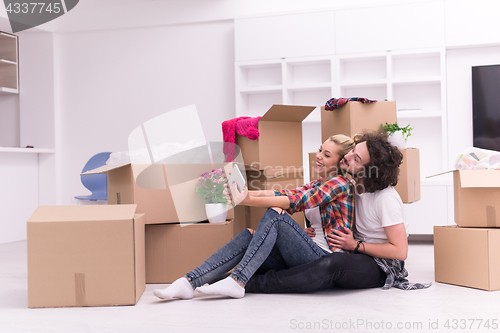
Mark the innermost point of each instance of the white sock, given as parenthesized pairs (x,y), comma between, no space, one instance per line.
(181,288)
(226,287)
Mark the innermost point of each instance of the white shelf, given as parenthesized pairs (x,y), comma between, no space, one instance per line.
(27,150)
(9,75)
(418,115)
(261,89)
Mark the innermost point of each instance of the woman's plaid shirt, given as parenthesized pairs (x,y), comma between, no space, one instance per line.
(335,198)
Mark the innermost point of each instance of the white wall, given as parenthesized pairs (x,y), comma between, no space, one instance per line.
(112,81)
(459,94)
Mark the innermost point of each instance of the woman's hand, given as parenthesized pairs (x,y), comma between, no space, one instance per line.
(237,197)
(341,240)
(310,232)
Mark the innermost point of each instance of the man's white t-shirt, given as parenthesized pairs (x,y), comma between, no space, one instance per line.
(377,210)
(314,217)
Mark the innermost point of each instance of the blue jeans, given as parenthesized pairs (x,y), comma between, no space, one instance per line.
(278,243)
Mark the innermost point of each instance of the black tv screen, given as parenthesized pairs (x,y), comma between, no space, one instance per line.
(486,107)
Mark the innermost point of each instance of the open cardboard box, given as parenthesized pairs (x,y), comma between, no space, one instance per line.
(166,190)
(355,117)
(91,255)
(280,140)
(476,197)
(172,250)
(467,256)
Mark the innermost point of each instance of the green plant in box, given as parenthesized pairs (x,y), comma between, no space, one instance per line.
(393,128)
(211,186)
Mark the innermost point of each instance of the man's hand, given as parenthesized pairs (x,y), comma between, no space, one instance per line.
(310,232)
(341,240)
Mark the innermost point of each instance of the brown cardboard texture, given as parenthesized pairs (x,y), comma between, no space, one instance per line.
(476,197)
(408,185)
(280,140)
(172,250)
(271,179)
(312,164)
(91,255)
(355,117)
(162,201)
(467,256)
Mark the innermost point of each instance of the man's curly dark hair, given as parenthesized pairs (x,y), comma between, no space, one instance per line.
(383,168)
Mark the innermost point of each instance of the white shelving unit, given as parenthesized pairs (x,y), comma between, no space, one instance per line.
(9,73)
(415,79)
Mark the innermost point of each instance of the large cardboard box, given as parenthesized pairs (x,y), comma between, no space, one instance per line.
(91,255)
(172,250)
(467,256)
(408,185)
(167,193)
(280,140)
(355,117)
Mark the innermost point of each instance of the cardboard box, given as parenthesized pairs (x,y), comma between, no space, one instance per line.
(408,185)
(476,197)
(270,179)
(162,201)
(467,256)
(172,250)
(92,255)
(355,117)
(280,140)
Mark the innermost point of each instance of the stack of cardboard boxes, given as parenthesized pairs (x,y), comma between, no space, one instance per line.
(274,160)
(468,254)
(356,117)
(98,255)
(150,232)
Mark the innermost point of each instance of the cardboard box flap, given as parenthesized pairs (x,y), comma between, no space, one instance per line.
(476,178)
(479,178)
(104,169)
(287,113)
(83,213)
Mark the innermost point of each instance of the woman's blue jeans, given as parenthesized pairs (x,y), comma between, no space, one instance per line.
(278,243)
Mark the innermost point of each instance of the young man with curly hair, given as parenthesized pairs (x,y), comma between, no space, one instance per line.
(375,252)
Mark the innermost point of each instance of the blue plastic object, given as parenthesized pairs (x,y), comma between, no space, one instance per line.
(97,184)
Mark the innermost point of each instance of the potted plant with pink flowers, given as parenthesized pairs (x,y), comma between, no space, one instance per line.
(211,188)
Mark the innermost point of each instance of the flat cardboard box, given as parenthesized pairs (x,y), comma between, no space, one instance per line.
(356,117)
(280,140)
(467,256)
(408,185)
(91,255)
(476,197)
(172,250)
(162,201)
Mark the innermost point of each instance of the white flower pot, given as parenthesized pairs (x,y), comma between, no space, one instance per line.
(216,213)
(397,139)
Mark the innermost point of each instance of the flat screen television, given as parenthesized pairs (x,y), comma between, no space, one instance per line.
(486,107)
